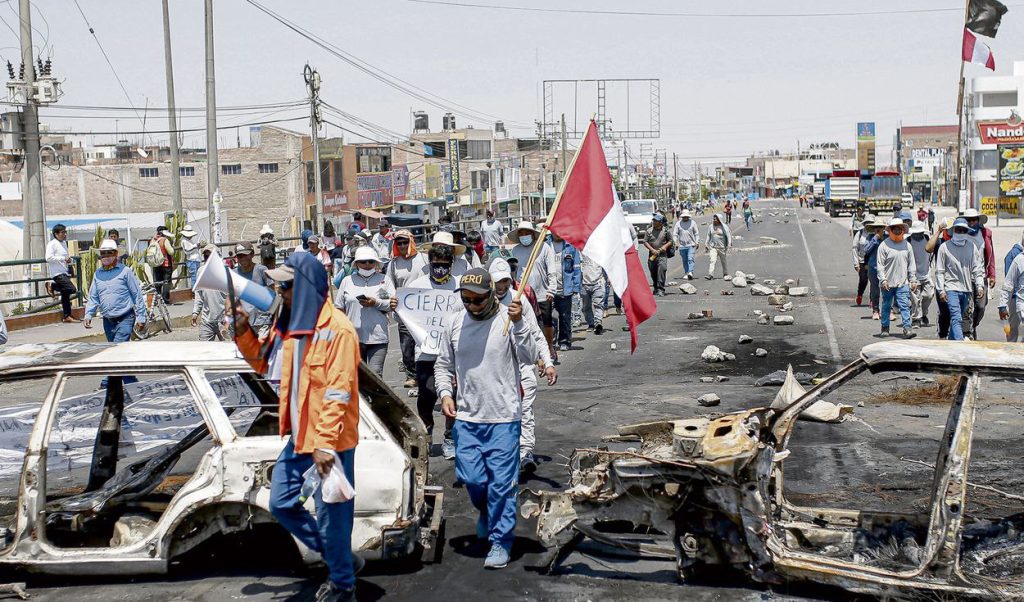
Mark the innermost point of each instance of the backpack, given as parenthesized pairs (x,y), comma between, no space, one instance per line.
(154,254)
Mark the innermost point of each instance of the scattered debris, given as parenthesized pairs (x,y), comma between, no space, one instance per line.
(777,299)
(721,379)
(768,240)
(819,411)
(942,391)
(782,289)
(745,338)
(783,320)
(751,278)
(687,289)
(725,292)
(709,400)
(791,282)
(713,354)
(787,306)
(739,281)
(758,312)
(707,379)
(820,363)
(707,313)
(768,282)
(779,377)
(694,316)
(799,291)
(672,283)
(815,220)
(14,589)
(762,319)
(760,290)
(614,346)
(761,352)
(739,274)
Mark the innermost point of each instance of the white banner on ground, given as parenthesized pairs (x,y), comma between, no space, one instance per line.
(424,312)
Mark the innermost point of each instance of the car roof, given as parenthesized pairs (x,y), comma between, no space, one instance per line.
(984,355)
(142,354)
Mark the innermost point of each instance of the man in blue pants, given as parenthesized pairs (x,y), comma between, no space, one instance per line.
(959,272)
(485,361)
(115,293)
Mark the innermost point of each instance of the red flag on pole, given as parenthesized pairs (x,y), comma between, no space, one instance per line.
(588,216)
(976,51)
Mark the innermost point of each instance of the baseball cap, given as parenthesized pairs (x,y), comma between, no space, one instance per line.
(244,248)
(313,239)
(500,269)
(477,280)
(961,222)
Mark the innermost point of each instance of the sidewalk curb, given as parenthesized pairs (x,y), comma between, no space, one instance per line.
(99,337)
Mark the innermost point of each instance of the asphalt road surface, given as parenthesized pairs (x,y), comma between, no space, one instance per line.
(599,389)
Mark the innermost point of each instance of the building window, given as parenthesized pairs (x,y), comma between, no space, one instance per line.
(149,172)
(986,159)
(999,99)
(231,170)
(373,159)
(336,174)
(325,175)
(267,167)
(187,172)
(478,149)
(310,182)
(986,188)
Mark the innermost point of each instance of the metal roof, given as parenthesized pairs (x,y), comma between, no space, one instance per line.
(31,357)
(977,354)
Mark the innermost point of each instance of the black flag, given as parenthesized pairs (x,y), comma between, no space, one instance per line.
(983,17)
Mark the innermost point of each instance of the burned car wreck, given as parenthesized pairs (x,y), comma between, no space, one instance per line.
(118,459)
(712,492)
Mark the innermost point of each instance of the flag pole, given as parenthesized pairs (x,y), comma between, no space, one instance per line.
(539,243)
(960,110)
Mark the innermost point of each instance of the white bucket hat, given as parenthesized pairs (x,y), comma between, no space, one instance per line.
(366,254)
(919,227)
(973,213)
(446,239)
(188,232)
(108,245)
(685,213)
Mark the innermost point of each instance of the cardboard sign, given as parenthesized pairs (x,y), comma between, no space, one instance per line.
(424,312)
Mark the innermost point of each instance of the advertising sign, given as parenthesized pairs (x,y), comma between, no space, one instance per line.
(1000,132)
(335,202)
(453,165)
(374,189)
(865,131)
(425,311)
(1011,170)
(400,183)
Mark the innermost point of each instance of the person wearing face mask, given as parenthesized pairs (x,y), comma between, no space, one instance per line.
(460,263)
(487,408)
(381,242)
(718,242)
(116,294)
(658,244)
(567,284)
(501,274)
(921,299)
(861,235)
(959,271)
(208,308)
(1010,303)
(543,277)
(254,272)
(438,276)
(406,264)
(492,232)
(367,297)
(878,234)
(686,237)
(942,235)
(897,276)
(981,236)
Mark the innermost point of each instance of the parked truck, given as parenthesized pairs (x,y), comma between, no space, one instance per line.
(842,192)
(884,191)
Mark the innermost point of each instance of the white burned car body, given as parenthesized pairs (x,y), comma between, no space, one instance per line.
(175,446)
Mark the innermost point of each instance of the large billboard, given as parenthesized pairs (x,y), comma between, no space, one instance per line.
(866,146)
(866,131)
(1011,170)
(1000,132)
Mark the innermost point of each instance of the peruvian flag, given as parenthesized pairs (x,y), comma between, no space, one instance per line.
(589,217)
(976,51)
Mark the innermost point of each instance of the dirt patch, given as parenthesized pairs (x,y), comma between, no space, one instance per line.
(942,391)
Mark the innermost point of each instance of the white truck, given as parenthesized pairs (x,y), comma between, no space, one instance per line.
(639,213)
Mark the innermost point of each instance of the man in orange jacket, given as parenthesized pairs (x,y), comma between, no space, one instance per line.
(312,355)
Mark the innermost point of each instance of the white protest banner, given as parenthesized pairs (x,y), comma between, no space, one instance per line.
(424,312)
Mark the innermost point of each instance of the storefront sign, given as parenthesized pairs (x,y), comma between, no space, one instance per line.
(1011,170)
(374,189)
(1000,132)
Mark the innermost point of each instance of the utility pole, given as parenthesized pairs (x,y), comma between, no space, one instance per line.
(34,235)
(313,85)
(172,120)
(212,162)
(565,160)
(675,174)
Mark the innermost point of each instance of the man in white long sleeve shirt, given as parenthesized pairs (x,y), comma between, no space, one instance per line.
(501,274)
(921,298)
(544,276)
(58,261)
(861,235)
(1011,296)
(897,275)
(959,272)
(687,238)
(486,362)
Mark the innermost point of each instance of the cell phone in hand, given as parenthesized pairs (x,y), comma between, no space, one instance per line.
(362,297)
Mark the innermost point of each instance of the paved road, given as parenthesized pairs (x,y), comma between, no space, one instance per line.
(599,389)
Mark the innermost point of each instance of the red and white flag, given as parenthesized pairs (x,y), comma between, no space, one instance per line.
(589,217)
(976,51)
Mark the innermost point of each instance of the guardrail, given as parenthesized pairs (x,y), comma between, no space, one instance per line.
(37,285)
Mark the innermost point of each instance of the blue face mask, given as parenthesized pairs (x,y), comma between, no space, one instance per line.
(974,231)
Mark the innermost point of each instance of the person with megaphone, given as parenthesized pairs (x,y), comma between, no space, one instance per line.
(312,352)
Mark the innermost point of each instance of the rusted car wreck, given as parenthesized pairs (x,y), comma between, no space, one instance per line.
(710,492)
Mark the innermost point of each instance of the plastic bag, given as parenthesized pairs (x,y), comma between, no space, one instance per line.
(336,487)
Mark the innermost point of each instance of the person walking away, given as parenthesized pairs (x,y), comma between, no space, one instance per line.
(592,293)
(748,214)
(931,219)
(861,235)
(658,244)
(190,247)
(115,293)
(313,352)
(922,215)
(718,241)
(329,239)
(485,362)
(367,297)
(381,242)
(160,255)
(1010,303)
(567,284)
(439,276)
(982,238)
(254,272)
(921,298)
(686,237)
(542,277)
(208,308)
(406,265)
(501,274)
(878,234)
(897,276)
(1011,299)
(959,271)
(58,263)
(493,233)
(728,212)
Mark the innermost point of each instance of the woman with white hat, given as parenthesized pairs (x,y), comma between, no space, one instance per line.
(193,257)
(367,297)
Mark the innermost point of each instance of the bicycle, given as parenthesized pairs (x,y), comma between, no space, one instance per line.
(158,317)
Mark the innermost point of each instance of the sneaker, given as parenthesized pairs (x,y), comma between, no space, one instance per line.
(876,316)
(329,592)
(709,277)
(448,449)
(497,558)
(915,324)
(689,275)
(564,347)
(884,333)
(410,383)
(909,333)
(925,322)
(528,464)
(599,329)
(859,299)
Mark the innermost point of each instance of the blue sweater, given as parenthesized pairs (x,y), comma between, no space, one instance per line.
(1008,260)
(115,292)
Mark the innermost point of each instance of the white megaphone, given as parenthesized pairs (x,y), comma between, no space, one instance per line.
(213,275)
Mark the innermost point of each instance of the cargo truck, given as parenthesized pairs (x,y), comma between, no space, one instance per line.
(884,191)
(842,192)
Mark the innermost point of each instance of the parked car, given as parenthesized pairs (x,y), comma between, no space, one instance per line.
(869,517)
(118,458)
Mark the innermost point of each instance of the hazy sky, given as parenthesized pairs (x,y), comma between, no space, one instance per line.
(729,85)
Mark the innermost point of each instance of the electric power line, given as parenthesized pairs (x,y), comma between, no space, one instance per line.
(177,131)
